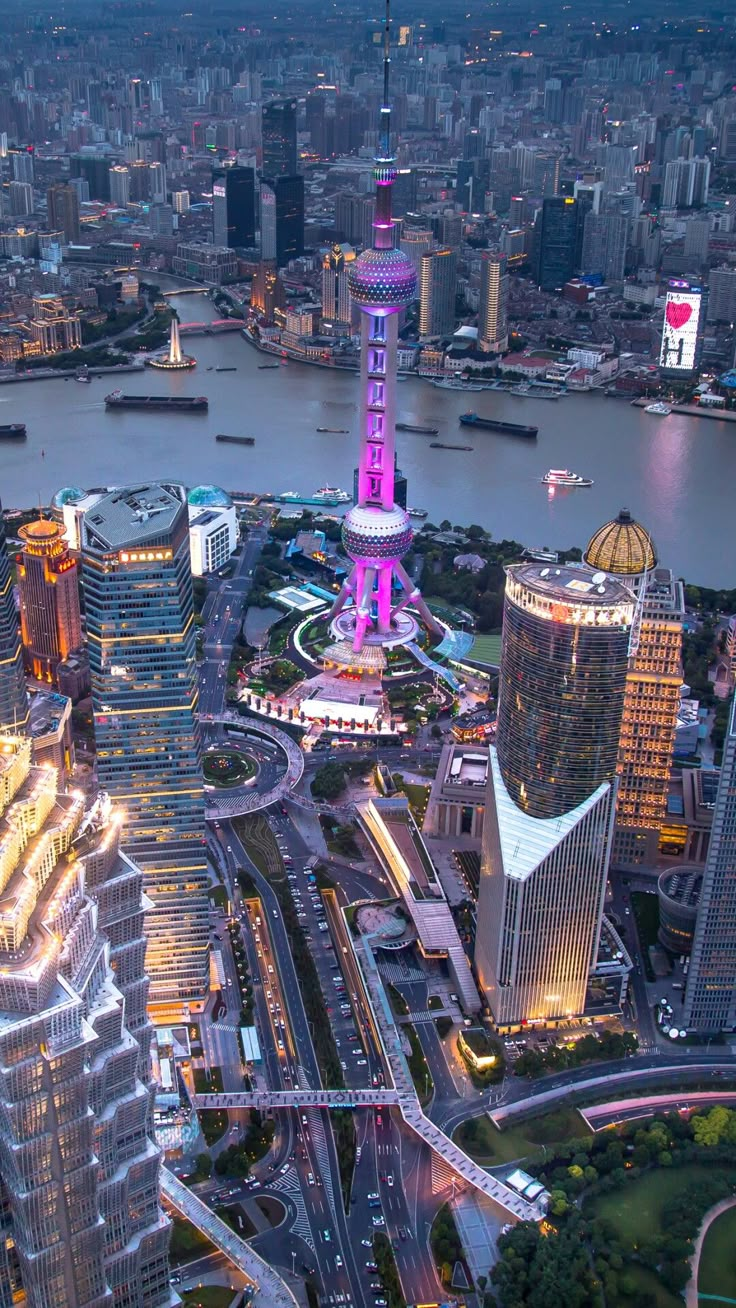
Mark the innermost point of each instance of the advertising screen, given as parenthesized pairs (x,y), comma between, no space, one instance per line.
(680,331)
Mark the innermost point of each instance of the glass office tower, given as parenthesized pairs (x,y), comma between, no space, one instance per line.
(710,991)
(551,790)
(140,627)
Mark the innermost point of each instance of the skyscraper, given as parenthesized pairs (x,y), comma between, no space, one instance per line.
(437,291)
(63,211)
(555,242)
(119,186)
(140,626)
(493,333)
(549,808)
(416,241)
(710,990)
(234,207)
(376,532)
(336,306)
(624,549)
(80,1221)
(13,698)
(20,195)
(282,219)
(686,183)
(603,254)
(278,135)
(48,582)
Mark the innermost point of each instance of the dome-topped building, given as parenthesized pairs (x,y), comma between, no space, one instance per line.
(209,497)
(621,547)
(67,495)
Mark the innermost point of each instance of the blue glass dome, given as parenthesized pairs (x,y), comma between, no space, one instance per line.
(209,497)
(67,495)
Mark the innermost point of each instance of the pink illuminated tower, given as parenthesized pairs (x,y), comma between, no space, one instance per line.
(376,533)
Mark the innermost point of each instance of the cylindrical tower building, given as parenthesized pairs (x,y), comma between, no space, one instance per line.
(377,533)
(561,687)
(551,791)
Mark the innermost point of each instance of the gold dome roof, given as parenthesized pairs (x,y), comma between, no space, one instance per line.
(621,547)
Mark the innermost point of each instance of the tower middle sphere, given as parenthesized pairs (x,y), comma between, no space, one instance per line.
(382,281)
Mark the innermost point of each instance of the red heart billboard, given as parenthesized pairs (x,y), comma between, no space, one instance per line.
(678,314)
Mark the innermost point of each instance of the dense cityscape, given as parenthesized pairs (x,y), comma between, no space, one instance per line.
(367,913)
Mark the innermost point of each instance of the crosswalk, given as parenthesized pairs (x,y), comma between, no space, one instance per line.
(426,1015)
(319,1140)
(290,1186)
(442,1175)
(397,972)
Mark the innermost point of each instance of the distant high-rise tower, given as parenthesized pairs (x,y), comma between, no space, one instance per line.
(336,306)
(550,802)
(282,219)
(493,332)
(80,1219)
(710,989)
(278,135)
(555,242)
(13,698)
(437,291)
(63,211)
(234,207)
(140,626)
(624,549)
(48,582)
(119,186)
(416,241)
(376,532)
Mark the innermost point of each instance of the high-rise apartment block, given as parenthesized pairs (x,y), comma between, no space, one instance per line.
(63,211)
(48,583)
(624,549)
(493,331)
(550,801)
(710,990)
(140,628)
(437,291)
(13,698)
(80,1220)
(722,298)
(119,186)
(686,183)
(278,135)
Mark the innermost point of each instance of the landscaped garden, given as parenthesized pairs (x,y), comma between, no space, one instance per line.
(227,767)
(625,1207)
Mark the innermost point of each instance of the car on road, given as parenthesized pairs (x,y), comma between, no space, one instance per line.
(371,1267)
(402,1233)
(326,1235)
(367,1244)
(378,1221)
(374,1195)
(338,1261)
(390,1179)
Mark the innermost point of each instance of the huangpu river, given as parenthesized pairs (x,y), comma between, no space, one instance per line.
(677,474)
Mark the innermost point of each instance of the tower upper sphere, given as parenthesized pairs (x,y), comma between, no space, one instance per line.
(382,280)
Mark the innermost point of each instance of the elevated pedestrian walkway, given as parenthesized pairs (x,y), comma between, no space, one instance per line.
(270,1290)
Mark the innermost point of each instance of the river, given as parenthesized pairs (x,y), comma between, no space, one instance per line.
(675,474)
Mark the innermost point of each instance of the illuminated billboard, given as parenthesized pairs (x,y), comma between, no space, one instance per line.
(679,347)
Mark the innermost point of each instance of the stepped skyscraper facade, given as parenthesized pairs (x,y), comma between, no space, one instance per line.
(80,1220)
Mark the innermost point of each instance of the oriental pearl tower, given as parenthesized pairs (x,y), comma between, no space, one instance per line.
(376,532)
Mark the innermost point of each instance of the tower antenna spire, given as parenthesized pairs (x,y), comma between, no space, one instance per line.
(386,116)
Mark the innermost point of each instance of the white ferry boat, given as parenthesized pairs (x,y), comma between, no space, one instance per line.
(661,410)
(562,477)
